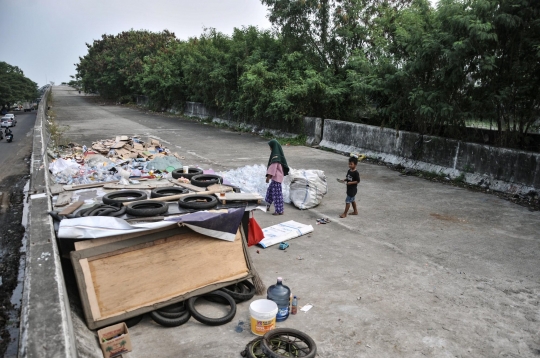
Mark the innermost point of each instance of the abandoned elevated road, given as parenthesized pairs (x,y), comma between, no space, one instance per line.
(425,269)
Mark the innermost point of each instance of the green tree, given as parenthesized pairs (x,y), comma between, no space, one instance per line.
(15,86)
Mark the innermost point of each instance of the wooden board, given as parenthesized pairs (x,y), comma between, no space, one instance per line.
(70,209)
(64,198)
(239,197)
(85,186)
(196,189)
(138,275)
(137,186)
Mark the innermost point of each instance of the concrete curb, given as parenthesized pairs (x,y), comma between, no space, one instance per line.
(46,329)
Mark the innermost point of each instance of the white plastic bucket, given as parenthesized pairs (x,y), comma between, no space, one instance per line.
(185,169)
(263,316)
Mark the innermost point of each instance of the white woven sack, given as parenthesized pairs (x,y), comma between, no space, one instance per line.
(307,187)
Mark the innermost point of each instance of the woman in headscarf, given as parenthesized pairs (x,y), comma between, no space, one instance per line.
(277,169)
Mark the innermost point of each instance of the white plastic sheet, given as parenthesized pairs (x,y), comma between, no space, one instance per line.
(282,232)
(93,227)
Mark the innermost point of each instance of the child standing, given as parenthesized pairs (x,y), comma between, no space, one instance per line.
(276,170)
(352,180)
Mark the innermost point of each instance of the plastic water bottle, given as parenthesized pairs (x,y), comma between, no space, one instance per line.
(281,295)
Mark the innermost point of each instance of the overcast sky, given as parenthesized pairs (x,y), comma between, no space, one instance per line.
(46,37)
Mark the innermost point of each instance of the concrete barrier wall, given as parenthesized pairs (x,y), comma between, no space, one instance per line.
(46,328)
(313,129)
(492,167)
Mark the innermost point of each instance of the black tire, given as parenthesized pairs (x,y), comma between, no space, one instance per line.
(174,308)
(241,291)
(228,290)
(130,322)
(205,180)
(147,208)
(198,201)
(118,213)
(178,173)
(286,340)
(168,191)
(123,196)
(212,321)
(170,322)
(253,349)
(245,292)
(171,315)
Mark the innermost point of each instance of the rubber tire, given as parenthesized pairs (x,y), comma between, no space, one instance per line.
(187,203)
(246,294)
(209,179)
(120,212)
(170,322)
(147,208)
(228,291)
(133,321)
(178,173)
(110,198)
(172,314)
(174,308)
(289,331)
(167,191)
(212,321)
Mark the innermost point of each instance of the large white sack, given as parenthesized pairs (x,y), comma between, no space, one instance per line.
(307,187)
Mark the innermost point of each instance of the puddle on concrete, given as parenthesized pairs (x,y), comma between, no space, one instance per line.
(16,298)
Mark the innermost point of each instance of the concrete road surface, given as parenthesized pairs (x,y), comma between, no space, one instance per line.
(425,270)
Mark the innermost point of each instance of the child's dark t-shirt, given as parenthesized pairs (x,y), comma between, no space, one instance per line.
(352,176)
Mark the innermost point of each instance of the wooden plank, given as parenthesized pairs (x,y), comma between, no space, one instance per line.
(56,189)
(70,209)
(90,289)
(136,186)
(130,278)
(64,198)
(85,186)
(240,197)
(191,187)
(219,186)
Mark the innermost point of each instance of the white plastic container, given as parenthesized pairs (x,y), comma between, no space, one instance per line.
(263,316)
(185,169)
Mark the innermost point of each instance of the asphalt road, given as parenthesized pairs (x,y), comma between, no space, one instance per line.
(13,154)
(425,270)
(14,174)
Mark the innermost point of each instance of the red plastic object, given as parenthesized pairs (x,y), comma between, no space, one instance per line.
(255,233)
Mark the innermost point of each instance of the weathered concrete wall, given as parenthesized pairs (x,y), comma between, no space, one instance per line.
(46,328)
(313,129)
(496,168)
(195,109)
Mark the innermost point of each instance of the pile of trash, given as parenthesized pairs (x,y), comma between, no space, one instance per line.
(113,160)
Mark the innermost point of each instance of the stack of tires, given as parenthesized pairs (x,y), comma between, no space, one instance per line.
(179,313)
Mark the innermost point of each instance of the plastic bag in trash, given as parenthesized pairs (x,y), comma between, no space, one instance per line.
(66,167)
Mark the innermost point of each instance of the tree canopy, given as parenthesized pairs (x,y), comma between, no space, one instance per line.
(396,63)
(15,86)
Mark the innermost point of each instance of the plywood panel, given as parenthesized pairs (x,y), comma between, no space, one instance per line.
(157,271)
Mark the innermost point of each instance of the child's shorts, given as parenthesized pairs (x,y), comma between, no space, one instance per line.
(350,199)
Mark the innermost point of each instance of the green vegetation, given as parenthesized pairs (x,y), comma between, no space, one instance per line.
(14,86)
(395,63)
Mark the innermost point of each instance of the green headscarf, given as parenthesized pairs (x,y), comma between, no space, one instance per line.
(277,156)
